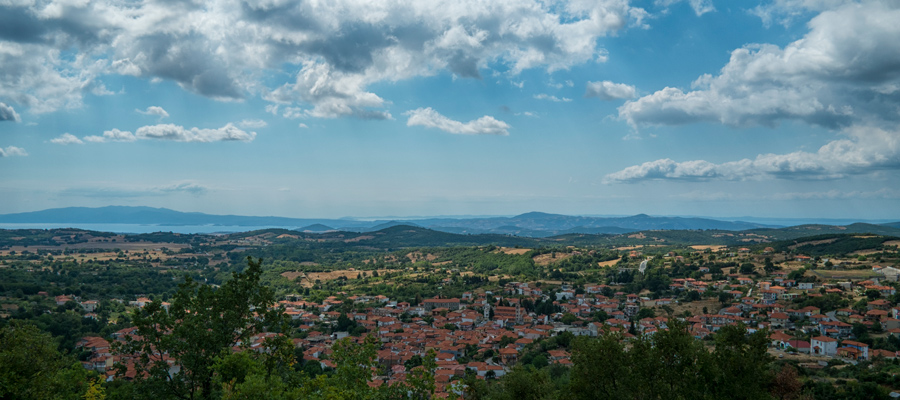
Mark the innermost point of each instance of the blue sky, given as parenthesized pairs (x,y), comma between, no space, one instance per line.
(787,108)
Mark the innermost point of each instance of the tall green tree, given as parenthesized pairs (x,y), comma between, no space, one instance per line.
(174,351)
(31,367)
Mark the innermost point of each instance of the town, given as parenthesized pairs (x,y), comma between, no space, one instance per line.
(479,311)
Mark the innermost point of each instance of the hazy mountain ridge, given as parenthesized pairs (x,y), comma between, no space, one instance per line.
(532,224)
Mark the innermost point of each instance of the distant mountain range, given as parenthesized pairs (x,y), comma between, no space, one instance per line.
(533,224)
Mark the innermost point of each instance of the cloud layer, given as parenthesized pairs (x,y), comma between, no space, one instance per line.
(430,118)
(866,150)
(173,132)
(234,49)
(844,71)
(104,192)
(178,133)
(844,75)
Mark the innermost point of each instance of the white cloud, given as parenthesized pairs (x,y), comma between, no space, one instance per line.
(155,110)
(12,151)
(333,94)
(66,139)
(607,90)
(866,150)
(37,77)
(785,11)
(253,123)
(430,118)
(544,96)
(844,71)
(233,50)
(113,135)
(700,7)
(178,133)
(186,187)
(7,113)
(304,126)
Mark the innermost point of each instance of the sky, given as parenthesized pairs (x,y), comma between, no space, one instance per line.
(329,109)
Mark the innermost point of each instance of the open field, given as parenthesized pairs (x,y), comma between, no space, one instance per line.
(852,274)
(812,243)
(609,263)
(869,251)
(510,250)
(308,279)
(713,247)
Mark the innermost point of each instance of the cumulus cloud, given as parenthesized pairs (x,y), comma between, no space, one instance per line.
(154,110)
(66,139)
(844,71)
(178,133)
(113,135)
(333,94)
(7,113)
(253,123)
(866,150)
(607,90)
(544,96)
(56,51)
(12,151)
(35,76)
(430,118)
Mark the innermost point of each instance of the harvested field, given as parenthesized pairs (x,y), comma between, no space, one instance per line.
(713,247)
(867,252)
(609,263)
(510,250)
(852,274)
(308,279)
(812,243)
(635,247)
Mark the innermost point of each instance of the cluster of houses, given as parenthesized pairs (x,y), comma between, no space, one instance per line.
(496,327)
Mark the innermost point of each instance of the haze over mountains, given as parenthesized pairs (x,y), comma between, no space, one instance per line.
(533,224)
